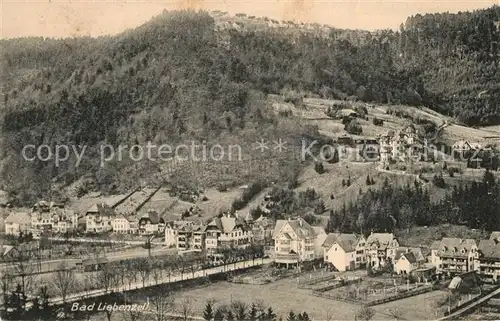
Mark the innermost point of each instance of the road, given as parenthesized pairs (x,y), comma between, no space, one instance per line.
(50,265)
(165,280)
(91,240)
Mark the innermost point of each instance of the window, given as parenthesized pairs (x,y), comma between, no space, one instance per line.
(326,257)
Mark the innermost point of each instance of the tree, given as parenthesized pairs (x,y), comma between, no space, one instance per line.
(269,315)
(303,317)
(162,305)
(64,280)
(208,313)
(365,313)
(219,314)
(106,278)
(291,316)
(239,309)
(395,313)
(229,316)
(318,167)
(186,308)
(353,127)
(143,266)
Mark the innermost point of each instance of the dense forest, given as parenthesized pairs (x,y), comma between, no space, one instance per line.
(399,207)
(178,77)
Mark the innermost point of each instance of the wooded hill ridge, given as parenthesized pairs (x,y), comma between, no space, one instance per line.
(179,76)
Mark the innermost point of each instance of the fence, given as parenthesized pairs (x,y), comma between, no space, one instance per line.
(399,296)
(307,283)
(339,284)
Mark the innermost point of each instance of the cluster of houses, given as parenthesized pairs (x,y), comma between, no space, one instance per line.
(228,230)
(99,218)
(297,242)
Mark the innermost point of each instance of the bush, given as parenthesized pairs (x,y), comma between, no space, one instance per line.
(438,181)
(249,193)
(378,121)
(318,167)
(353,128)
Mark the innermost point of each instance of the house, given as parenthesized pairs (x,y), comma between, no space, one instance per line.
(399,145)
(121,224)
(454,255)
(191,237)
(381,249)
(408,259)
(99,218)
(489,259)
(227,231)
(295,242)
(262,229)
(151,223)
(17,223)
(344,251)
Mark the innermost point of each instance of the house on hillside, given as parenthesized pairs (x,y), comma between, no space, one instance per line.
(489,259)
(227,231)
(381,249)
(262,229)
(98,218)
(399,145)
(151,223)
(462,149)
(344,251)
(495,235)
(296,242)
(17,223)
(454,255)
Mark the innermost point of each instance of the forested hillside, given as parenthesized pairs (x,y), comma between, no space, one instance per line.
(179,77)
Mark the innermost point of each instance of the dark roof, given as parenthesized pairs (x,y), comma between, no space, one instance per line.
(489,248)
(454,247)
(410,257)
(347,242)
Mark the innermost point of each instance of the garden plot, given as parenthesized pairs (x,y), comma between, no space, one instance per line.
(373,292)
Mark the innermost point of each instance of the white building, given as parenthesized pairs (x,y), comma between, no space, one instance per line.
(16,223)
(295,241)
(99,218)
(381,249)
(227,231)
(400,145)
(344,251)
(454,255)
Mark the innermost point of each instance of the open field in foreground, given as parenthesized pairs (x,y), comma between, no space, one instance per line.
(284,296)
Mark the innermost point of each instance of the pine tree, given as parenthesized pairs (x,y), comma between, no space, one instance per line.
(368,180)
(219,315)
(291,317)
(252,315)
(229,316)
(208,314)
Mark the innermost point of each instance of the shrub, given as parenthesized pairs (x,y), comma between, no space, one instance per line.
(250,192)
(318,167)
(378,121)
(353,128)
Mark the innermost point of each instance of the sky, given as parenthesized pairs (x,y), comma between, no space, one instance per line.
(70,18)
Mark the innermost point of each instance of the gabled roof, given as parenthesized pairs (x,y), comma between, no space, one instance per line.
(347,242)
(454,246)
(382,240)
(300,227)
(495,235)
(415,251)
(410,257)
(490,249)
(333,238)
(18,218)
(435,245)
(101,209)
(227,224)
